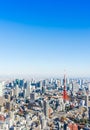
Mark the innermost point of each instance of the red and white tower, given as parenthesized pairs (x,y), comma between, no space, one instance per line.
(65,96)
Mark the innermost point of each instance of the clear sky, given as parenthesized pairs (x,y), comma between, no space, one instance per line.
(45,37)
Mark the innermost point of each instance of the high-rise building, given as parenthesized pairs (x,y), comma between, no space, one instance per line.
(89,87)
(80,82)
(40,84)
(32,97)
(17,91)
(46,108)
(1,89)
(43,89)
(71,86)
(28,90)
(88,104)
(75,87)
(21,83)
(58,83)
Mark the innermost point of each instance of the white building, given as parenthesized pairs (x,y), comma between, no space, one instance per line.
(1,88)
(17,90)
(89,87)
(75,87)
(58,82)
(27,91)
(88,105)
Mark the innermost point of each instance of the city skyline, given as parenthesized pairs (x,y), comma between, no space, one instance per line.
(45,38)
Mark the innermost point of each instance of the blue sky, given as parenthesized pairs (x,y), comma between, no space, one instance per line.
(44,38)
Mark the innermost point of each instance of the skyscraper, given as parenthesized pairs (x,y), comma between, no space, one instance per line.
(28,90)
(88,104)
(1,89)
(46,108)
